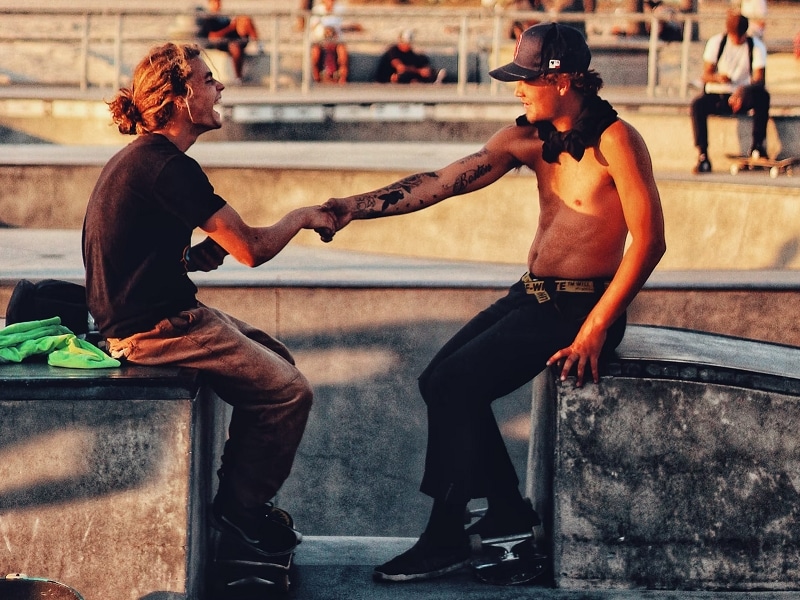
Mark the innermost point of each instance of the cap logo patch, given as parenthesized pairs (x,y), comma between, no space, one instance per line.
(554,64)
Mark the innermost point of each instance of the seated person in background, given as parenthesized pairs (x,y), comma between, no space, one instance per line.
(573,6)
(228,33)
(328,13)
(401,64)
(734,65)
(329,59)
(669,28)
(518,26)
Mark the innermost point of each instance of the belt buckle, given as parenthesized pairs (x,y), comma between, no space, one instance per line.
(535,288)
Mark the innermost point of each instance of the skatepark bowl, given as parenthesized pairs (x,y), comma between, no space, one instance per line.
(676,476)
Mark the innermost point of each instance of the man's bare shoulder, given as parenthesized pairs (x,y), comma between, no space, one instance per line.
(519,141)
(517,132)
(619,131)
(621,137)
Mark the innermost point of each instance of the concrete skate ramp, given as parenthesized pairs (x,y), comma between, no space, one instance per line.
(681,469)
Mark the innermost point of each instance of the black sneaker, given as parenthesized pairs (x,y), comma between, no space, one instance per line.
(703,165)
(500,524)
(425,560)
(266,529)
(758,152)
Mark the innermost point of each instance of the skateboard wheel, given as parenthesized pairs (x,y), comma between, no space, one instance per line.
(734,169)
(774,172)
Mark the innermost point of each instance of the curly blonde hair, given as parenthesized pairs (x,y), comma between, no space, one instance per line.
(158,80)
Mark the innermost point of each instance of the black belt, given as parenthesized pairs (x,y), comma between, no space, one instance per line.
(543,287)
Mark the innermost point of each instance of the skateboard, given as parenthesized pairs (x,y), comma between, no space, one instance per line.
(18,586)
(237,572)
(508,560)
(774,165)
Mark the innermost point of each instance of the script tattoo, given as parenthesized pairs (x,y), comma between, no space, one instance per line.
(467,177)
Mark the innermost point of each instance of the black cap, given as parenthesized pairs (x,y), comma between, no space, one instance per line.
(546,48)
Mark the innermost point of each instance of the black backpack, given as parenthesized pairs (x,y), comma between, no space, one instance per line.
(49,298)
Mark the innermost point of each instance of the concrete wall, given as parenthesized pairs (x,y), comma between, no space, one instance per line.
(679,470)
(677,486)
(100,479)
(361,459)
(363,349)
(710,223)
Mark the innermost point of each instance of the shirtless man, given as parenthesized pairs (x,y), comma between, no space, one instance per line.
(596,186)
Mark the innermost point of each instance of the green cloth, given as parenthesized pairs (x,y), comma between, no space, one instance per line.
(48,336)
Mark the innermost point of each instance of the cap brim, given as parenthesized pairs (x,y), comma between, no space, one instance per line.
(513,72)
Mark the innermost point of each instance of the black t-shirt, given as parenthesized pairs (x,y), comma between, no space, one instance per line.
(140,217)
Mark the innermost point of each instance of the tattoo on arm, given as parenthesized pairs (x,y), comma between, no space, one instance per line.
(391,195)
(472,174)
(469,176)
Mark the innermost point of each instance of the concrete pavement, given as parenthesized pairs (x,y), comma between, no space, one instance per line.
(329,568)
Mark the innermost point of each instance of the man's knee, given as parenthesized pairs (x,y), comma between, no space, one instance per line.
(293,394)
(439,384)
(300,391)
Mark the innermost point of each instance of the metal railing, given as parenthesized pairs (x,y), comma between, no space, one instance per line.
(118,38)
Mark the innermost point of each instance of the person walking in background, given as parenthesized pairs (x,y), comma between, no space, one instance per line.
(231,34)
(596,190)
(734,66)
(400,63)
(148,200)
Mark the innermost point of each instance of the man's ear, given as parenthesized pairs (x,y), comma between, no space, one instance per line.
(564,84)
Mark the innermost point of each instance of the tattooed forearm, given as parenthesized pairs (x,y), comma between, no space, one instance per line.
(390,196)
(365,207)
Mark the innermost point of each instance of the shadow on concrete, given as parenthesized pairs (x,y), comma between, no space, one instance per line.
(68,450)
(359,466)
(9,135)
(787,254)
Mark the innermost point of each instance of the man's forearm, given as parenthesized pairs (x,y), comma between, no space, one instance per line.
(401,197)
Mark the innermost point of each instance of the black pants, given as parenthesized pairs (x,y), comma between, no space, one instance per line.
(498,351)
(754,97)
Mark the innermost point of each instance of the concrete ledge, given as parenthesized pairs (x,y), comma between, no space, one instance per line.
(746,303)
(105,476)
(681,469)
